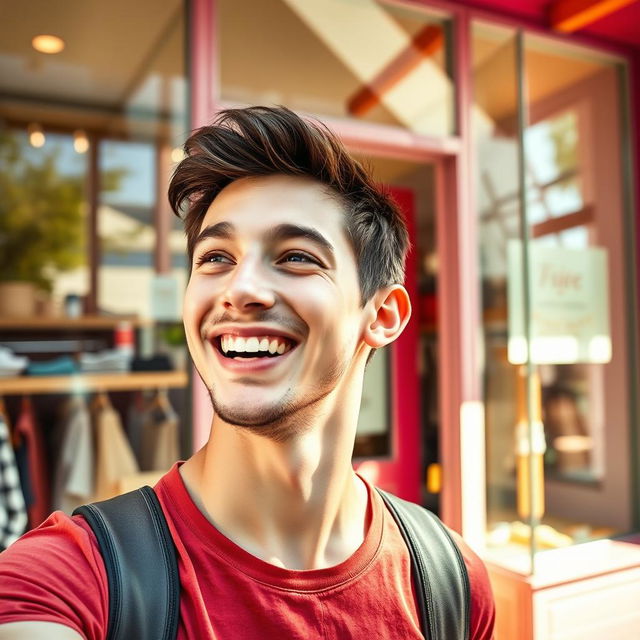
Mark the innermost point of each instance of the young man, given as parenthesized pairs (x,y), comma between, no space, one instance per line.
(297,268)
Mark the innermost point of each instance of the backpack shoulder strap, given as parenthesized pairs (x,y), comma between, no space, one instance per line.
(141,563)
(440,575)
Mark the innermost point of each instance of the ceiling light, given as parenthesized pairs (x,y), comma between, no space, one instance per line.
(47,43)
(80,141)
(177,154)
(36,135)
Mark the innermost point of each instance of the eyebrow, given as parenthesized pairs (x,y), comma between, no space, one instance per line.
(222,230)
(225,231)
(291,231)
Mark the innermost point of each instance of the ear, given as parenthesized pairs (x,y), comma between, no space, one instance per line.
(391,310)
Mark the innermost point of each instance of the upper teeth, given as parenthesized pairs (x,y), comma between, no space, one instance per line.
(255,344)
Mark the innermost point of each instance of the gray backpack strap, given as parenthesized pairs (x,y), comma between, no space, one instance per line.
(440,575)
(141,563)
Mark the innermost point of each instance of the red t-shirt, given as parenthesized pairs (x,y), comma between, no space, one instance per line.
(55,573)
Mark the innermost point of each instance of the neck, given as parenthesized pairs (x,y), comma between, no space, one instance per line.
(297,504)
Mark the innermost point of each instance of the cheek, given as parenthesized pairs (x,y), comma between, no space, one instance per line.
(199,292)
(197,299)
(189,303)
(337,321)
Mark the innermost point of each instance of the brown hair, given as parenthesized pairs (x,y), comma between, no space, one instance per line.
(262,141)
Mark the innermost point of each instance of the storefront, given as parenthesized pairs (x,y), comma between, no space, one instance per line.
(509,405)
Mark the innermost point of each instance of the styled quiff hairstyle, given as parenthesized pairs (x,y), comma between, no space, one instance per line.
(264,141)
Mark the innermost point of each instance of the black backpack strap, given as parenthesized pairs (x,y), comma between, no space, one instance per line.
(440,574)
(141,563)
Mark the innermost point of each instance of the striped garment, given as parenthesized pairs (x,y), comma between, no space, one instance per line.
(13,511)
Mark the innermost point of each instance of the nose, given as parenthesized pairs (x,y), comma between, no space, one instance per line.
(248,287)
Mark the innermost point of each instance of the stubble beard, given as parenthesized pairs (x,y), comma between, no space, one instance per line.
(284,419)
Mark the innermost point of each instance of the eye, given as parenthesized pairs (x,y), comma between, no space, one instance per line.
(299,257)
(213,257)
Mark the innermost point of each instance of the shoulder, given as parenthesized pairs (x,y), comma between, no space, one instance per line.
(482,608)
(482,603)
(55,573)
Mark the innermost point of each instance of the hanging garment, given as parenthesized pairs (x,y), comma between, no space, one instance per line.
(159,449)
(73,480)
(22,461)
(13,511)
(114,457)
(29,443)
(136,416)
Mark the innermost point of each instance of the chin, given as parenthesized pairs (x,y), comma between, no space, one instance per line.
(279,421)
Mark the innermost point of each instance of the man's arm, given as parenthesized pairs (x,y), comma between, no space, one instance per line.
(37,631)
(53,583)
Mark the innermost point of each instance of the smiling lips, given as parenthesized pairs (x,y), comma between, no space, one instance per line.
(253,346)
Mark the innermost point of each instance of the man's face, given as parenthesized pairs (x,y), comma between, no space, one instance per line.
(272,310)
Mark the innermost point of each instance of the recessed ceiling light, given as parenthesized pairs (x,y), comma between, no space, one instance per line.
(177,155)
(80,141)
(47,43)
(36,135)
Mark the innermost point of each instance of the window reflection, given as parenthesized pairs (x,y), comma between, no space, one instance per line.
(578,426)
(126,226)
(358,59)
(43,211)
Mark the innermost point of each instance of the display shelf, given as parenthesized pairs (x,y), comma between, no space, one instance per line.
(45,323)
(87,382)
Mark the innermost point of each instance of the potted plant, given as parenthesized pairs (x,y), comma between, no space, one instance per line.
(42,228)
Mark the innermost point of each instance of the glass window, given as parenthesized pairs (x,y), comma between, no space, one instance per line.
(43,209)
(557,365)
(126,229)
(89,132)
(356,59)
(113,97)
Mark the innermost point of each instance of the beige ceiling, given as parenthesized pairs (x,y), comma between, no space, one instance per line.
(550,69)
(128,56)
(314,55)
(117,54)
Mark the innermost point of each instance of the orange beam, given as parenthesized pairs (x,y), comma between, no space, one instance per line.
(424,44)
(562,223)
(568,16)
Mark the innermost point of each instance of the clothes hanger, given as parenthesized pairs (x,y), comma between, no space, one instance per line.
(26,404)
(79,395)
(148,396)
(161,401)
(100,401)
(4,417)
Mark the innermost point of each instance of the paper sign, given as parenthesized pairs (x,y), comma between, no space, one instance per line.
(569,308)
(164,298)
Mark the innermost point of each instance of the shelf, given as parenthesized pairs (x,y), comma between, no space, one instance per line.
(86,382)
(44,323)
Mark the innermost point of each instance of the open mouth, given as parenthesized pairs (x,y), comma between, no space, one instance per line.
(254,346)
